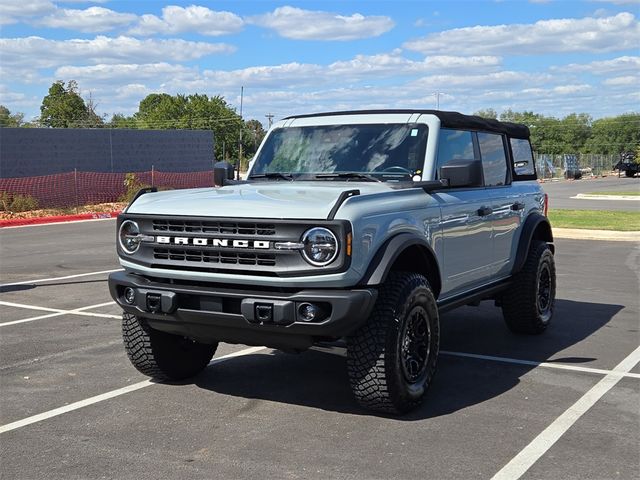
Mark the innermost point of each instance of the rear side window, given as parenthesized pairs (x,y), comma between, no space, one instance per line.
(454,145)
(523,164)
(494,159)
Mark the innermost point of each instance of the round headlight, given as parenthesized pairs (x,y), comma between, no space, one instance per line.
(320,246)
(129,236)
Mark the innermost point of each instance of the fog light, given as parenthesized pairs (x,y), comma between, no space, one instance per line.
(308,312)
(129,295)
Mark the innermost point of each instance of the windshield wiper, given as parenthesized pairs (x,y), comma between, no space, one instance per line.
(347,175)
(270,175)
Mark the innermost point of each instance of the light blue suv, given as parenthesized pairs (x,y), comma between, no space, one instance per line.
(353,228)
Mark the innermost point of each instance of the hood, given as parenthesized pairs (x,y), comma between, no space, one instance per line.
(295,200)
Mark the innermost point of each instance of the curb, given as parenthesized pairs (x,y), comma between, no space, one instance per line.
(587,196)
(18,222)
(583,234)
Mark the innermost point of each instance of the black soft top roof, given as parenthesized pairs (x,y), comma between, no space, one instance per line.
(447,120)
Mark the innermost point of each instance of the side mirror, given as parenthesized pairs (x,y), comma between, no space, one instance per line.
(222,171)
(462,173)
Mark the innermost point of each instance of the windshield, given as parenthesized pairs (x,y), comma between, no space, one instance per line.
(385,152)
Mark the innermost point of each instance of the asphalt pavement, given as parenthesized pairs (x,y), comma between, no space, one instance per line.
(72,407)
(561,193)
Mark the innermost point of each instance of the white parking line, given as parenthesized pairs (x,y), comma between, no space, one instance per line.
(550,435)
(558,366)
(57,312)
(106,396)
(60,223)
(40,280)
(341,351)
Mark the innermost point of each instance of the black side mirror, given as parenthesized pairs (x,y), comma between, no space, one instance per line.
(462,173)
(222,171)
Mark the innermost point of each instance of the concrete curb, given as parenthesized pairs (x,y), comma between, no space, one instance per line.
(20,222)
(583,234)
(587,196)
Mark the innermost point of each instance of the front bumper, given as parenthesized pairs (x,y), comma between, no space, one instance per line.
(210,312)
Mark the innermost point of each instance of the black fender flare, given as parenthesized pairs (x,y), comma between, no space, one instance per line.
(382,262)
(535,226)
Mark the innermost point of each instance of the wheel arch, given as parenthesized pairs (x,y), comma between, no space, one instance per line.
(404,252)
(535,227)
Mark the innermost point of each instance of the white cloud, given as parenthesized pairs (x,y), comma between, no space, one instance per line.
(194,18)
(13,11)
(124,73)
(37,52)
(299,24)
(625,80)
(602,67)
(92,19)
(619,32)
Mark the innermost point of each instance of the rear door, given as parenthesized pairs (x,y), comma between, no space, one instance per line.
(466,220)
(506,203)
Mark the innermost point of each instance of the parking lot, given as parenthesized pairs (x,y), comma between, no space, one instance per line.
(561,405)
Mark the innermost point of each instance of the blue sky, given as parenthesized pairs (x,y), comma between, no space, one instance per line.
(550,56)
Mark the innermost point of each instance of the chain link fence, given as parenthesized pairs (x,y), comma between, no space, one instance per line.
(574,165)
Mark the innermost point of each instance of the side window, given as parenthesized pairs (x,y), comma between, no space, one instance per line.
(454,145)
(523,163)
(494,159)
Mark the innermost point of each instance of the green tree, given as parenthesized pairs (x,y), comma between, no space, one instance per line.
(487,113)
(118,120)
(63,107)
(196,111)
(574,132)
(252,136)
(615,135)
(7,119)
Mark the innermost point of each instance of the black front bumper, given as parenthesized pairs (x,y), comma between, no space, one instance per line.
(216,313)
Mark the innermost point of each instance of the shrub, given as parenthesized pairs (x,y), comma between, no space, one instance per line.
(10,202)
(133,186)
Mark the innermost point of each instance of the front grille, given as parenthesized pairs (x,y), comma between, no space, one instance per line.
(212,256)
(229,228)
(226,255)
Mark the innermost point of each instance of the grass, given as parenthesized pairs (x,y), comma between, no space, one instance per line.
(595,219)
(627,194)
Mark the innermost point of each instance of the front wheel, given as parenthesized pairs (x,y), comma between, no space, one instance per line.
(160,355)
(528,305)
(391,359)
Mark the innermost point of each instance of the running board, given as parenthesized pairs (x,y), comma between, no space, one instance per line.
(476,295)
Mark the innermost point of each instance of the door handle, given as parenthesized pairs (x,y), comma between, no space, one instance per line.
(517,206)
(484,211)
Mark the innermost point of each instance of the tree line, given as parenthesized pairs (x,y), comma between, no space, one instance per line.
(63,107)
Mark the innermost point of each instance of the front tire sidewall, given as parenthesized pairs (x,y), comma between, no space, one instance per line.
(411,392)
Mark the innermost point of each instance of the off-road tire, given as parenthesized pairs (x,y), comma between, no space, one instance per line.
(523,308)
(629,173)
(163,356)
(376,364)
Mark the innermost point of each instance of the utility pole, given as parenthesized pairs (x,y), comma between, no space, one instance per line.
(240,136)
(270,118)
(437,95)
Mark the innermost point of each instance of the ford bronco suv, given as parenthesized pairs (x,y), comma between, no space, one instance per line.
(354,228)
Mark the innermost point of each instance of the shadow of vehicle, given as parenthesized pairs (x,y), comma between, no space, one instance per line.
(319,379)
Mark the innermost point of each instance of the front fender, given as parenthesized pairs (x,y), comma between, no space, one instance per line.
(384,259)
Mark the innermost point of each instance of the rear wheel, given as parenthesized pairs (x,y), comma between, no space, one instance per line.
(391,360)
(161,355)
(529,303)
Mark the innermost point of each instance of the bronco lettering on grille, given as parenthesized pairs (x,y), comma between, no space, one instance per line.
(214,242)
